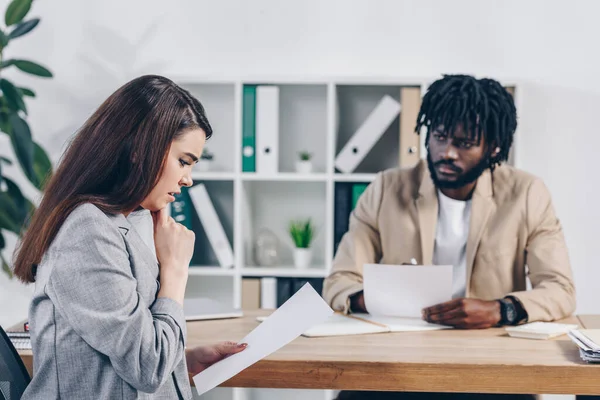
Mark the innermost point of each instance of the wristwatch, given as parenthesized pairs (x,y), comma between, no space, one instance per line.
(508,312)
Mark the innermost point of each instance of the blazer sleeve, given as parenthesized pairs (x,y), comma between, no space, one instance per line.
(360,245)
(93,287)
(553,292)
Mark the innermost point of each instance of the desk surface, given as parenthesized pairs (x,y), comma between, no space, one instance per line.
(486,361)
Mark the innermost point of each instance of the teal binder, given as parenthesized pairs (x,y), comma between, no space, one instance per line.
(249,129)
(181,208)
(357,191)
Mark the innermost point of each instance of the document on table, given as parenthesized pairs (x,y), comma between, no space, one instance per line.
(302,311)
(404,290)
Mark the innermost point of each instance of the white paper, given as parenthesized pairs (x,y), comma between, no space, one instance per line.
(402,324)
(342,325)
(404,290)
(302,311)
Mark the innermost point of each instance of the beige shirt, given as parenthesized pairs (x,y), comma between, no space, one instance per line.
(512,225)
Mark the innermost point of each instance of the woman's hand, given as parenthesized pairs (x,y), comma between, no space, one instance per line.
(202,357)
(174,245)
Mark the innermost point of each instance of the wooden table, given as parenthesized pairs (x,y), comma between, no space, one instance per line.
(485,361)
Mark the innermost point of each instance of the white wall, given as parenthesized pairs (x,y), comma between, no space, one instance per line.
(550,46)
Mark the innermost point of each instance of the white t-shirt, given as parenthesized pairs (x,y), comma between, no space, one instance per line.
(451,240)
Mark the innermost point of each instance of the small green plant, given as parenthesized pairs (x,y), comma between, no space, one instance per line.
(305,156)
(206,155)
(302,233)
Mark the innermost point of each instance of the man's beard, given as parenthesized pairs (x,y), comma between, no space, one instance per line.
(464,178)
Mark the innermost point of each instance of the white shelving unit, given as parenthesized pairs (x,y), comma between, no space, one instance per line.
(318,116)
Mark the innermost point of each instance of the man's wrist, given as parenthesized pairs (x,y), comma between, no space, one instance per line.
(355,303)
(511,311)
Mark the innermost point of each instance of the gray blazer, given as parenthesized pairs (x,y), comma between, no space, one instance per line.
(98,330)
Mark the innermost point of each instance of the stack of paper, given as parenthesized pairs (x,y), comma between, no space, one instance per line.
(588,341)
(540,330)
(21,340)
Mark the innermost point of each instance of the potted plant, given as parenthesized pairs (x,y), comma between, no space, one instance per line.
(205,161)
(304,163)
(302,233)
(15,208)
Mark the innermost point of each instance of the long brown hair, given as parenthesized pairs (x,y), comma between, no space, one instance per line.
(114,160)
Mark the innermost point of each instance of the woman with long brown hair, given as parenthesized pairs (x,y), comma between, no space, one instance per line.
(107,319)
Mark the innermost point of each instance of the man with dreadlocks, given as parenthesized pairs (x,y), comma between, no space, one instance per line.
(462,208)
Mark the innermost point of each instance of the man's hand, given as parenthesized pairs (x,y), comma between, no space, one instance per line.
(357,303)
(464,313)
(200,358)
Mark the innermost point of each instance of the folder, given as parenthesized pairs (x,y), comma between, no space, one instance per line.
(267,129)
(268,293)
(212,225)
(249,129)
(367,134)
(410,146)
(250,293)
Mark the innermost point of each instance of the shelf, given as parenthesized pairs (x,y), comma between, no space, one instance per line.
(354,177)
(197,270)
(285,176)
(212,176)
(286,271)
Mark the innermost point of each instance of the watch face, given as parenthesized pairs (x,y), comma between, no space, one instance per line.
(511,312)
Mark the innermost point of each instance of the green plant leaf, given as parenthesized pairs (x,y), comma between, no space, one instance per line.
(3,39)
(16,11)
(2,241)
(15,209)
(9,210)
(6,63)
(27,92)
(302,233)
(23,28)
(13,97)
(6,268)
(20,136)
(42,167)
(32,68)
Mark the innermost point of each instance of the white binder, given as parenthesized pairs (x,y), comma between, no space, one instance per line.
(267,129)
(268,293)
(367,134)
(212,225)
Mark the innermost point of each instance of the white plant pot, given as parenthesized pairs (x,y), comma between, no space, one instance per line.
(304,167)
(203,165)
(302,257)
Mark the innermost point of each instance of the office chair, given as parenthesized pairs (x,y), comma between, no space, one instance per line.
(14,377)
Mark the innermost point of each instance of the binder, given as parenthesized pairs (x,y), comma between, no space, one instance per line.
(410,147)
(357,191)
(342,210)
(181,208)
(267,129)
(268,293)
(249,129)
(250,294)
(367,134)
(212,225)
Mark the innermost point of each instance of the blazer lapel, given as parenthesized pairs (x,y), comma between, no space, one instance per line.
(427,210)
(136,243)
(482,207)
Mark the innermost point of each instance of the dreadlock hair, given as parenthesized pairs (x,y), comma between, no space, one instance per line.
(482,106)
